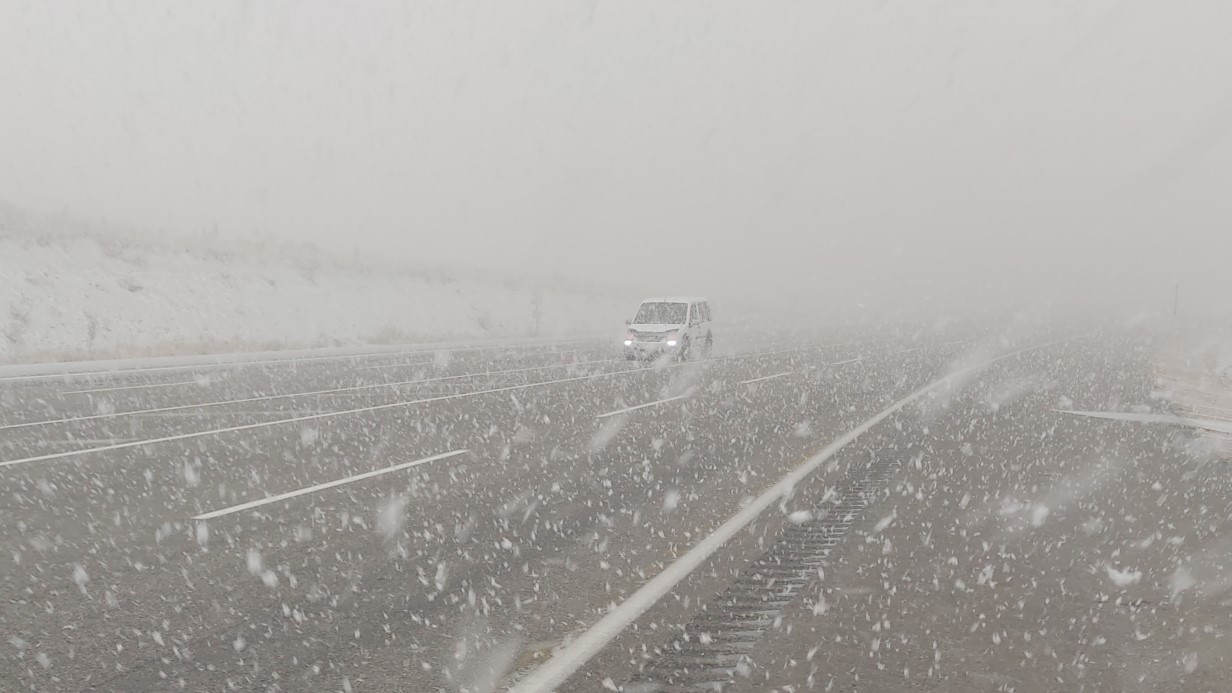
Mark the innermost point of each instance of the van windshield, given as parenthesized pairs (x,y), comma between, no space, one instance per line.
(661,314)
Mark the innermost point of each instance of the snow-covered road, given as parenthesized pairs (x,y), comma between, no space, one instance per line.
(444,520)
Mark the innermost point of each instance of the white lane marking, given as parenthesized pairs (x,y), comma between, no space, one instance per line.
(321,487)
(1205,408)
(1188,422)
(130,387)
(643,406)
(75,375)
(267,398)
(252,413)
(404,364)
(378,407)
(81,441)
(313,417)
(843,363)
(426,362)
(239,362)
(555,671)
(767,377)
(811,368)
(908,351)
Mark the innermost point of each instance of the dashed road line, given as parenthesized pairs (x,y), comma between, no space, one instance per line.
(765,377)
(353,388)
(425,362)
(149,386)
(70,375)
(321,487)
(844,363)
(313,417)
(643,406)
(432,361)
(289,395)
(378,407)
(239,362)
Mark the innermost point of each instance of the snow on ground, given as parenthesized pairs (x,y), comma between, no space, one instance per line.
(74,297)
(1194,369)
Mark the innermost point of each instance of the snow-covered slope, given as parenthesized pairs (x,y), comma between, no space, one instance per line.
(68,297)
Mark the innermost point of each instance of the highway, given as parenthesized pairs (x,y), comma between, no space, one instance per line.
(461,520)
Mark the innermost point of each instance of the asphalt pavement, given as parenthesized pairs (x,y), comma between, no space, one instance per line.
(452,519)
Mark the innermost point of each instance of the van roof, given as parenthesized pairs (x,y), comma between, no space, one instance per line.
(675,299)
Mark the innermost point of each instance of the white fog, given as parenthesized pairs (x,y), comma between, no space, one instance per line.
(615,346)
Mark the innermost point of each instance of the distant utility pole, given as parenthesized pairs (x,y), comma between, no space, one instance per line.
(1176,300)
(537,309)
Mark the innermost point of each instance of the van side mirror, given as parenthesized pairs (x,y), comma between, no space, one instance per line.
(628,322)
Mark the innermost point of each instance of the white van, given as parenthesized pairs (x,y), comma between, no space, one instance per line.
(679,326)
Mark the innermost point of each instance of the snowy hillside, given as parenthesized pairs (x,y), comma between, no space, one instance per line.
(73,297)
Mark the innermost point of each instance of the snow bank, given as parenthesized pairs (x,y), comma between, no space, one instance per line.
(63,297)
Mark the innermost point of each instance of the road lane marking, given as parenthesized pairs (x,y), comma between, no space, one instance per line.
(82,441)
(779,375)
(424,362)
(129,387)
(766,377)
(552,674)
(1216,426)
(321,487)
(643,406)
(378,407)
(1207,407)
(235,412)
(238,363)
(267,398)
(70,375)
(843,363)
(427,362)
(908,351)
(314,417)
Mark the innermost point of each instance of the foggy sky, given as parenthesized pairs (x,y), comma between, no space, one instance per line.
(813,154)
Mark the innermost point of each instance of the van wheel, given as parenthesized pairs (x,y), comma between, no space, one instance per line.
(684,348)
(709,345)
